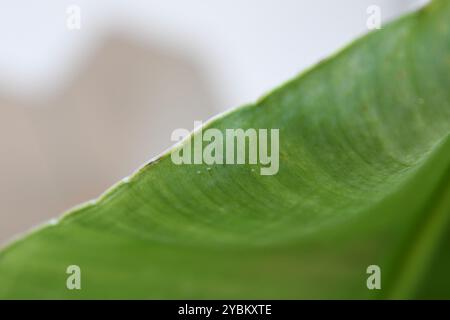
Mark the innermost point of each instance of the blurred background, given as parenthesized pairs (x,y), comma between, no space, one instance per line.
(84,105)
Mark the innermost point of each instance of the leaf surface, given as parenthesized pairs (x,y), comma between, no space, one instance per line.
(364,179)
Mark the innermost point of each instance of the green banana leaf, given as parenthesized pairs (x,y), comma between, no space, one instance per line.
(364,179)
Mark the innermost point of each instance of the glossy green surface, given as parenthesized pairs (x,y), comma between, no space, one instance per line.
(364,179)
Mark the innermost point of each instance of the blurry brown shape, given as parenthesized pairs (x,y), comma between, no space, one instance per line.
(119,112)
